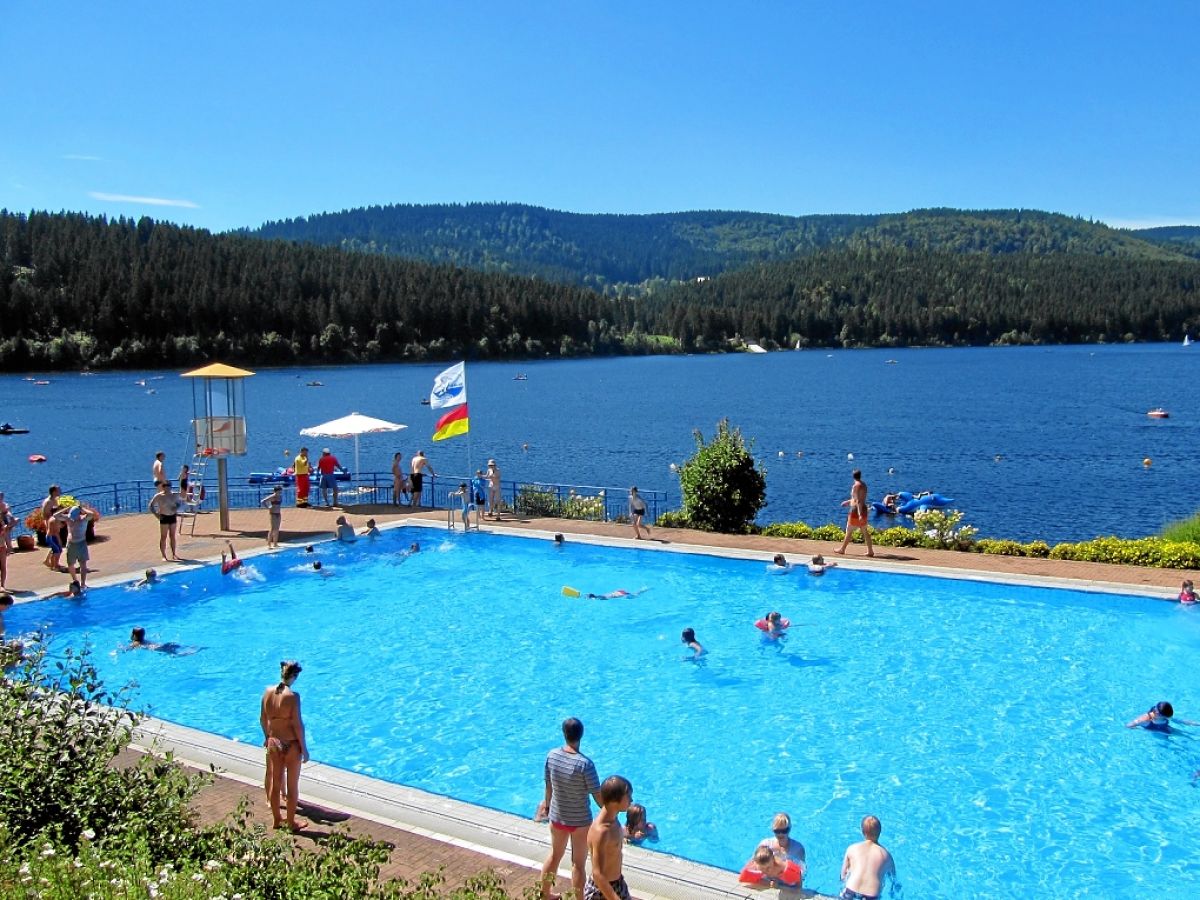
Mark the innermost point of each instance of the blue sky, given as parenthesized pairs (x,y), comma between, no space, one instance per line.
(222,114)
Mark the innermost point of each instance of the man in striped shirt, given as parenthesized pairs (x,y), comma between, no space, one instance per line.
(570,778)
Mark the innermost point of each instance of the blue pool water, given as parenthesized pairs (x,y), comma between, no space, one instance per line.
(981,722)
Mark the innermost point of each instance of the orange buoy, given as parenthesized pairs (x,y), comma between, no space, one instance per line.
(37,458)
(1147,462)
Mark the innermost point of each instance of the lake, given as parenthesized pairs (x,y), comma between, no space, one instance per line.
(1032,442)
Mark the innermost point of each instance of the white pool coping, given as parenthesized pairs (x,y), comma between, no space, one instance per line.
(499,835)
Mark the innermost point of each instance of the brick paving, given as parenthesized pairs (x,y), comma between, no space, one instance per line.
(128,544)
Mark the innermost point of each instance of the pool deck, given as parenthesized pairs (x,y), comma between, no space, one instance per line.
(430,831)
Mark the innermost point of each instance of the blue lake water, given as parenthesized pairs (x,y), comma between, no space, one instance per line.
(983,723)
(1033,443)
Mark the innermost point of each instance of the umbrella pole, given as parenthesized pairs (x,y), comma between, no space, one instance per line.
(356,469)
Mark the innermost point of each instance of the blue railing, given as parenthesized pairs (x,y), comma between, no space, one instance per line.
(572,501)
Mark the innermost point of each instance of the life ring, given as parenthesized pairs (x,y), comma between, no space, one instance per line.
(791,874)
(764,625)
(37,458)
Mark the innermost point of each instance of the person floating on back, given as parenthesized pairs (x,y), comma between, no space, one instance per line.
(867,865)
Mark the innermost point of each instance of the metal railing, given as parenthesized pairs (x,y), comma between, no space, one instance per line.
(537,499)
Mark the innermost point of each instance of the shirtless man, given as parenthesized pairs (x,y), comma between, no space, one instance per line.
(54,519)
(283,736)
(866,865)
(420,468)
(165,505)
(158,471)
(858,513)
(606,840)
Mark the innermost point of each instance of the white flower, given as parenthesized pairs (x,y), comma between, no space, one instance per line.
(24,870)
(197,877)
(212,865)
(89,835)
(49,851)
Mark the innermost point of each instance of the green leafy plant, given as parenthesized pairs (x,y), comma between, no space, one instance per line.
(942,529)
(723,487)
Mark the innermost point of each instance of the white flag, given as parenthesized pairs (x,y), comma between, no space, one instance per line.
(449,388)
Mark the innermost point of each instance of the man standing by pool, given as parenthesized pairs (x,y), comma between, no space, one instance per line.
(857,517)
(77,548)
(327,465)
(570,778)
(420,466)
(867,864)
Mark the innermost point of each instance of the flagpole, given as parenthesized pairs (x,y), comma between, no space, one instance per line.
(469,454)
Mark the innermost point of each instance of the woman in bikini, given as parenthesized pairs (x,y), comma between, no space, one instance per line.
(283,736)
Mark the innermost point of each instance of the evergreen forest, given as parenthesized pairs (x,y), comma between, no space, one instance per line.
(630,253)
(80,291)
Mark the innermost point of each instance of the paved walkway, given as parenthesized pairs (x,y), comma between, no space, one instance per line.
(129,544)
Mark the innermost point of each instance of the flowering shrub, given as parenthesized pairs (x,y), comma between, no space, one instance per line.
(942,529)
(535,500)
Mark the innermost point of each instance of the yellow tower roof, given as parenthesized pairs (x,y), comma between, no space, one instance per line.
(217,370)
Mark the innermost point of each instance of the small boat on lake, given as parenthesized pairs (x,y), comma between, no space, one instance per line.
(1158,413)
(1187,340)
(12,429)
(314,384)
(41,383)
(520,376)
(424,401)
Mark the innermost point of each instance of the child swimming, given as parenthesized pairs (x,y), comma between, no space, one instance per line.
(637,829)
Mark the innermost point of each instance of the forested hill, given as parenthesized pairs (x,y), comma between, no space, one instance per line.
(1180,238)
(605,251)
(898,297)
(79,290)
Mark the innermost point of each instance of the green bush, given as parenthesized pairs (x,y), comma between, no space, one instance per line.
(1037,549)
(789,530)
(942,529)
(542,502)
(995,547)
(723,488)
(672,518)
(1152,551)
(73,823)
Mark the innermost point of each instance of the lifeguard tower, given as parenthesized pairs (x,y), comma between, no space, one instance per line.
(218,423)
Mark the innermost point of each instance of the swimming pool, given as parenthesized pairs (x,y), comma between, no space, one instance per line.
(981,722)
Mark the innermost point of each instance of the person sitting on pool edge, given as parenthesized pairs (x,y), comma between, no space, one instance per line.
(689,638)
(1158,718)
(229,561)
(1187,594)
(345,531)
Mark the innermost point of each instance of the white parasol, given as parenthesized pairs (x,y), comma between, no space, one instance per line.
(352,426)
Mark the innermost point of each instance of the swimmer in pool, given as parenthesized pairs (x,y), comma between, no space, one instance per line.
(372,531)
(413,548)
(818,565)
(779,565)
(1187,594)
(151,577)
(1158,718)
(617,594)
(229,561)
(689,638)
(345,531)
(137,641)
(775,628)
(637,829)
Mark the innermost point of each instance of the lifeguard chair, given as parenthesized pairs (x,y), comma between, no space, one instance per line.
(218,427)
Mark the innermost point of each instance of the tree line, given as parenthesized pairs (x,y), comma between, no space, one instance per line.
(86,291)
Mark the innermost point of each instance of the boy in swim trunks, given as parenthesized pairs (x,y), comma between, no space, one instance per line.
(857,519)
(866,864)
(606,841)
(229,561)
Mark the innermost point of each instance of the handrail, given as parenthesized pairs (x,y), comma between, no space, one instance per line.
(534,498)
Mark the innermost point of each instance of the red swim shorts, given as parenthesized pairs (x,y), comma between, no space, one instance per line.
(858,520)
(559,826)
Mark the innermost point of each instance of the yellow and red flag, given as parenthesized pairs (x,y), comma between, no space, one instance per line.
(452,424)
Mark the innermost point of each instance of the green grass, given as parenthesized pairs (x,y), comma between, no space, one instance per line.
(1180,532)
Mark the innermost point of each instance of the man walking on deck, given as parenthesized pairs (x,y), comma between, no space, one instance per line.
(857,517)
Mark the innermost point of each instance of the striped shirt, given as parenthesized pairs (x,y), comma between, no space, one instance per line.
(572,778)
